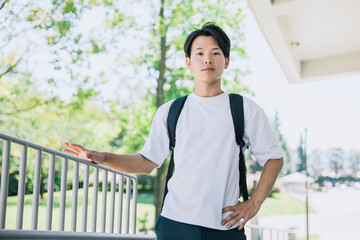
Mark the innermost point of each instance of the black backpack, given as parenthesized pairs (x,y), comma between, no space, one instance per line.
(237,112)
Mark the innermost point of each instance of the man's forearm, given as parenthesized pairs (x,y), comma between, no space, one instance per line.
(129,163)
(268,177)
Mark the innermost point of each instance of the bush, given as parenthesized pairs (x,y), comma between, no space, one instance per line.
(146,183)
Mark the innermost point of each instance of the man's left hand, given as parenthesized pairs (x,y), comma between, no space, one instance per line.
(242,210)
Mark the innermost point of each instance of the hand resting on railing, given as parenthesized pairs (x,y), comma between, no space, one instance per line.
(127,163)
(81,152)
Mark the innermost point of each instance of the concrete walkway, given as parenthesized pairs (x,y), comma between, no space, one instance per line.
(340,235)
(337,217)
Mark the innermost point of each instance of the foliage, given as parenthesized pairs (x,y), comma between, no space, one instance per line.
(146,183)
(178,20)
(49,123)
(60,48)
(143,223)
(315,160)
(252,165)
(66,101)
(354,159)
(63,102)
(135,124)
(336,157)
(342,179)
(282,141)
(302,155)
(334,162)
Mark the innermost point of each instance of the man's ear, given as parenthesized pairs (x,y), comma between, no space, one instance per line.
(227,61)
(188,63)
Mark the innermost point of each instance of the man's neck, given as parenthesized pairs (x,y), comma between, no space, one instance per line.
(202,90)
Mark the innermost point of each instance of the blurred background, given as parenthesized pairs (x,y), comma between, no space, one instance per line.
(93,72)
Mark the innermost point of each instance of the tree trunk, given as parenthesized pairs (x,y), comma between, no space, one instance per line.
(161,172)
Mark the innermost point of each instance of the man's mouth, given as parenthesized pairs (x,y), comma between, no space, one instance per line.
(207,69)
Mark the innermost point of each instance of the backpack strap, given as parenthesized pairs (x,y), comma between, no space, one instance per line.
(237,112)
(172,119)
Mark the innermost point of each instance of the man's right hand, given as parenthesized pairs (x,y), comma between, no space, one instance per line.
(81,152)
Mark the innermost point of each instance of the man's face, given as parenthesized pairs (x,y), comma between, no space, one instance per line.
(207,61)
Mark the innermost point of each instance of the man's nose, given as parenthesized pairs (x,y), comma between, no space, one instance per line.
(208,60)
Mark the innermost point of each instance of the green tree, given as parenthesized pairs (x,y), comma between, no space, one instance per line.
(336,158)
(251,164)
(287,168)
(301,155)
(121,124)
(354,160)
(315,160)
(50,122)
(50,108)
(56,41)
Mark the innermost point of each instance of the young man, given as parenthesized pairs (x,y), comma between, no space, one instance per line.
(202,200)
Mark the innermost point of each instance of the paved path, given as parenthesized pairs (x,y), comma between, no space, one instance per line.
(337,217)
(340,235)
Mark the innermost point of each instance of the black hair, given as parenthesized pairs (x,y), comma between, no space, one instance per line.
(209,29)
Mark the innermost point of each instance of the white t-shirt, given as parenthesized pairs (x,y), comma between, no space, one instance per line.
(206,156)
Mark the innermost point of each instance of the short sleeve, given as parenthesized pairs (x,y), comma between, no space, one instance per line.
(156,147)
(259,134)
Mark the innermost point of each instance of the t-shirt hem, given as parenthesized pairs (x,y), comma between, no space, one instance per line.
(201,223)
(262,163)
(149,157)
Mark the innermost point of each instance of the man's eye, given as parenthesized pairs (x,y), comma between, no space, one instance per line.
(199,54)
(216,53)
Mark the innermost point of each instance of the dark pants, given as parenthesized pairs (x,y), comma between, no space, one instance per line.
(167,229)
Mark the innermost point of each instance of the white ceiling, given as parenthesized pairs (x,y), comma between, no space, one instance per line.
(312,39)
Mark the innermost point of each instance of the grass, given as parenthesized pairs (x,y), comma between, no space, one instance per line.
(311,237)
(282,203)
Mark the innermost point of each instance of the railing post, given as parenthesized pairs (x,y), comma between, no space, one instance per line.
(21,187)
(121,196)
(127,213)
(36,190)
(63,193)
(95,199)
(135,184)
(291,234)
(112,203)
(4,182)
(75,187)
(85,198)
(50,192)
(104,195)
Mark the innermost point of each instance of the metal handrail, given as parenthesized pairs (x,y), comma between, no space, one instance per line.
(116,178)
(35,234)
(270,233)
